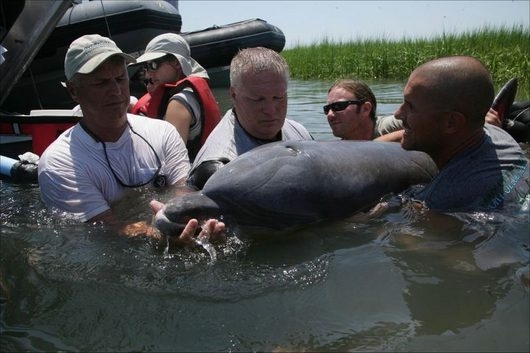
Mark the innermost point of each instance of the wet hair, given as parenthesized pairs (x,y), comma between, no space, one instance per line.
(459,83)
(255,60)
(361,91)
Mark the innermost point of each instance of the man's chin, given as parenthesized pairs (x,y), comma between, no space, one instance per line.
(117,109)
(405,140)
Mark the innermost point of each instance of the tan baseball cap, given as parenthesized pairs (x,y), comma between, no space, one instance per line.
(86,53)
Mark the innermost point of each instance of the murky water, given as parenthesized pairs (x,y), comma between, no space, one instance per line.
(405,281)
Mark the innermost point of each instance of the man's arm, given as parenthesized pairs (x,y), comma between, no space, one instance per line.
(200,175)
(391,137)
(212,230)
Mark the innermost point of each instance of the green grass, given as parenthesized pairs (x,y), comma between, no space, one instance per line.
(505,51)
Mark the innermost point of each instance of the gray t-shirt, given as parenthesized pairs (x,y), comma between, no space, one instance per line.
(482,178)
(229,140)
(189,98)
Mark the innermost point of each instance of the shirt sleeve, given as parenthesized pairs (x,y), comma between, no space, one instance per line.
(387,124)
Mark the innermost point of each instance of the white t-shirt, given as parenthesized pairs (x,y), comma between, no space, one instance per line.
(76,177)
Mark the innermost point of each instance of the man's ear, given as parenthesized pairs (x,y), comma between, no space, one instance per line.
(454,122)
(232,93)
(72,89)
(366,107)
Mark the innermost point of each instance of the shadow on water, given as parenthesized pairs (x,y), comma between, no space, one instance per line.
(404,281)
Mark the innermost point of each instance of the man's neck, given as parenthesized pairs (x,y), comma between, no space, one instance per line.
(260,141)
(473,139)
(103,133)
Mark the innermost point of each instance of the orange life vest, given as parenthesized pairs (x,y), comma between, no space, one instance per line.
(154,105)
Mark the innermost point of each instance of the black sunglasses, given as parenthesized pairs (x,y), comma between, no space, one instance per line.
(341,105)
(153,65)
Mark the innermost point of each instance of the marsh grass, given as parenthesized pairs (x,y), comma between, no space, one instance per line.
(505,51)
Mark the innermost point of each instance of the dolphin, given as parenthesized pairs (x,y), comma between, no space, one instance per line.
(283,186)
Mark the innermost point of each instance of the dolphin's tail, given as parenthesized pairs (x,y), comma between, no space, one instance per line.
(504,100)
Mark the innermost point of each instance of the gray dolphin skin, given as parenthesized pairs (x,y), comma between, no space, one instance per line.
(283,186)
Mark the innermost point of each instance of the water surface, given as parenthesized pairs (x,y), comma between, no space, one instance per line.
(405,281)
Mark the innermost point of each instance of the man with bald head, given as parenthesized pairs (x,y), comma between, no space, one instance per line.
(481,166)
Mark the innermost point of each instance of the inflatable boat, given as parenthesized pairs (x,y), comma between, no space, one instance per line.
(131,24)
(34,106)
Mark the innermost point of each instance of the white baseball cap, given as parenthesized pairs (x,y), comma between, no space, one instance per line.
(176,45)
(86,53)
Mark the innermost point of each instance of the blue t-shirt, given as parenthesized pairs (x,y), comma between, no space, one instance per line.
(482,178)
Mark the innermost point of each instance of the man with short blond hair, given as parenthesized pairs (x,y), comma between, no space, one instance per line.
(258,87)
(481,166)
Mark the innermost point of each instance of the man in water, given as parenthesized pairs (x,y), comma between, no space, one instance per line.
(352,115)
(481,165)
(94,164)
(258,88)
(351,112)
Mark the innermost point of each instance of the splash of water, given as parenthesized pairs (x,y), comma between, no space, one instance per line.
(205,243)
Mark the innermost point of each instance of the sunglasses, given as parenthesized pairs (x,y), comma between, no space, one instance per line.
(341,105)
(155,64)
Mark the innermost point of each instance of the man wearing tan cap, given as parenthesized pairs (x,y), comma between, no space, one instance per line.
(94,164)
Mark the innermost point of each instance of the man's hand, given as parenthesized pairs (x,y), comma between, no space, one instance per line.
(492,117)
(212,231)
(141,229)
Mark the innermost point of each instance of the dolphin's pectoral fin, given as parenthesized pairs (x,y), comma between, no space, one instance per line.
(204,171)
